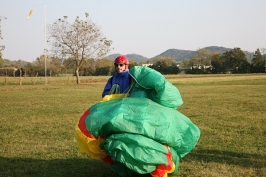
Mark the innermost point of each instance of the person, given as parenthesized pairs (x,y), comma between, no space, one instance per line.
(120,81)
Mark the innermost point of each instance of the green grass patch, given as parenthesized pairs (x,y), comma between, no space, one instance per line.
(38,120)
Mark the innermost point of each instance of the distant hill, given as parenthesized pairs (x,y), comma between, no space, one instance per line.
(249,55)
(113,56)
(135,57)
(178,55)
(217,49)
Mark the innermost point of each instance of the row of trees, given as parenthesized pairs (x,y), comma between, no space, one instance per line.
(57,67)
(231,61)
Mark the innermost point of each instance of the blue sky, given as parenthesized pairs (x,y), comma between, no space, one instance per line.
(144,27)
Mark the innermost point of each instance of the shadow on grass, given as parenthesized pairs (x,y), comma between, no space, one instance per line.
(227,157)
(27,167)
(22,167)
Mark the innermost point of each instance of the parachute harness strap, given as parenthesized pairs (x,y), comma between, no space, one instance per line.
(115,89)
(130,88)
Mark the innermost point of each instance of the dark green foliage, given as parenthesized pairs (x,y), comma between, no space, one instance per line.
(235,61)
(258,63)
(165,65)
(133,63)
(103,71)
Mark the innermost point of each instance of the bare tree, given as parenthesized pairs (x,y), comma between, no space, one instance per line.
(79,41)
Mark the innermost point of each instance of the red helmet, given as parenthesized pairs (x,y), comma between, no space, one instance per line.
(122,59)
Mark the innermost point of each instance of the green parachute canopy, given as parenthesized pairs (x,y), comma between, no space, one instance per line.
(144,132)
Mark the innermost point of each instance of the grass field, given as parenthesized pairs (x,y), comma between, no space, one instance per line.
(37,126)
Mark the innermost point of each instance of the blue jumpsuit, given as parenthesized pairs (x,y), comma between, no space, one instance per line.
(122,79)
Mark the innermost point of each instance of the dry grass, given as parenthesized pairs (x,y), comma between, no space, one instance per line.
(37,126)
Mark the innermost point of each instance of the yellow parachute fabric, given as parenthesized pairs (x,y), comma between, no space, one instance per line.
(89,144)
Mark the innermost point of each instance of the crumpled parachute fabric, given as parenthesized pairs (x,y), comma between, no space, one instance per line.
(141,133)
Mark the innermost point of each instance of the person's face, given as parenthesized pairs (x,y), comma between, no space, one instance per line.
(120,67)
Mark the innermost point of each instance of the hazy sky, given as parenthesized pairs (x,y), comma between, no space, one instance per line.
(144,27)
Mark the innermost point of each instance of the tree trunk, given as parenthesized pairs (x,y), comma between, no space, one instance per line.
(20,74)
(77,76)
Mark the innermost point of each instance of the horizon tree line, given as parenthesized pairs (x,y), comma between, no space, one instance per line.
(204,62)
